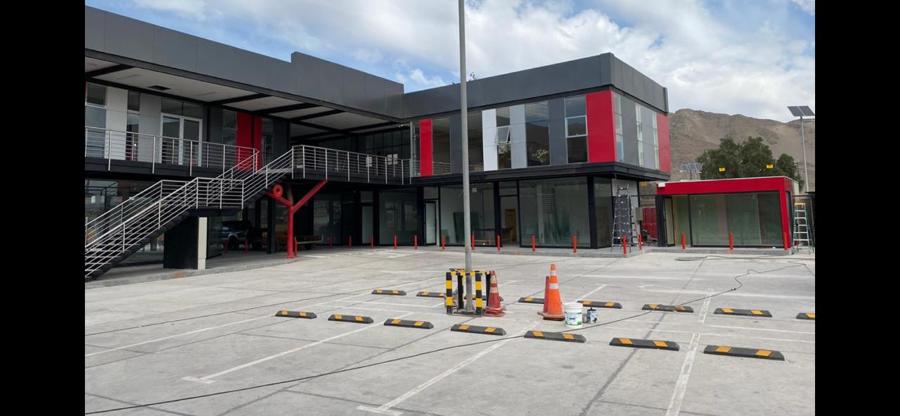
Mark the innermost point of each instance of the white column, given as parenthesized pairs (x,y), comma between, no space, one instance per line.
(201,243)
(489,138)
(149,124)
(518,148)
(116,119)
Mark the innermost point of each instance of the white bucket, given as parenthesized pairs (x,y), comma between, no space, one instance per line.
(573,313)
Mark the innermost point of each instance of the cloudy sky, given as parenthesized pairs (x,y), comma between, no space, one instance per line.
(750,57)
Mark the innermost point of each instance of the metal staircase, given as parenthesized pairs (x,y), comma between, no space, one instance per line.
(124,229)
(121,231)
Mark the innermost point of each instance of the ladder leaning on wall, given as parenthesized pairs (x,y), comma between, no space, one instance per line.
(622,219)
(801,228)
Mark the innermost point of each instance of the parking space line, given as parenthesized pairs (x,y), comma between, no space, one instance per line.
(385,408)
(584,296)
(763,329)
(209,379)
(705,309)
(681,386)
(390,304)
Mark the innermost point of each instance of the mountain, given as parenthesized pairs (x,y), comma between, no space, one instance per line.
(692,131)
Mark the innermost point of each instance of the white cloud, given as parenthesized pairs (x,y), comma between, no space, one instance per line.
(808,6)
(706,62)
(196,9)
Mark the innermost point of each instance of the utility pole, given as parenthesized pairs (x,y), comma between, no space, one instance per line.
(464,120)
(805,171)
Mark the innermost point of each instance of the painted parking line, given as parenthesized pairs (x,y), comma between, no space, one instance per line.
(385,409)
(584,296)
(681,385)
(209,379)
(787,331)
(392,304)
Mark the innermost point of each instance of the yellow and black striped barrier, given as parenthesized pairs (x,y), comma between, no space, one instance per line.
(296,314)
(448,287)
(644,343)
(556,336)
(531,299)
(409,324)
(475,329)
(743,312)
(667,308)
(600,304)
(393,292)
(428,294)
(807,315)
(351,318)
(743,352)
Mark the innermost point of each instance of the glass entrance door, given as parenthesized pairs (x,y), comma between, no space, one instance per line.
(431,225)
(175,130)
(509,219)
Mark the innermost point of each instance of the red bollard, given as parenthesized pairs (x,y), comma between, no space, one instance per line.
(533,246)
(683,241)
(624,242)
(731,242)
(443,243)
(395,241)
(574,244)
(473,242)
(498,243)
(350,241)
(415,241)
(640,242)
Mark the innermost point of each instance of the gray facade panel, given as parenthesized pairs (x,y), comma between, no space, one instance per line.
(215,125)
(638,85)
(94,34)
(455,144)
(123,37)
(174,49)
(629,131)
(557,126)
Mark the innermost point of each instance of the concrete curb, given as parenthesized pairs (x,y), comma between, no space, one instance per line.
(167,274)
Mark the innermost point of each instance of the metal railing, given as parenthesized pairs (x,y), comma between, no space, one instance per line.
(437,168)
(333,164)
(141,147)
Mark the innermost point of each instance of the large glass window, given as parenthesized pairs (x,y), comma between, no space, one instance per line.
(268,139)
(640,134)
(96,94)
(753,218)
(655,142)
(537,133)
(476,152)
(620,135)
(603,209)
(327,217)
(134,101)
(440,145)
(229,127)
(554,210)
(481,201)
(95,121)
(397,215)
(576,129)
(504,145)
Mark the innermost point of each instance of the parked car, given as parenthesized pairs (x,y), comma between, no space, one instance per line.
(235,232)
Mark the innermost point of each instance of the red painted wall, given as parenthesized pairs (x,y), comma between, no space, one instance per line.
(257,139)
(246,137)
(649,222)
(724,186)
(600,128)
(425,156)
(662,131)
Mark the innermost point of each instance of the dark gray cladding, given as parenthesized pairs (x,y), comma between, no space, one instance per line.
(578,75)
(158,48)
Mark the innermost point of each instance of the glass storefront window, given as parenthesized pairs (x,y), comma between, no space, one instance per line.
(481,201)
(440,143)
(134,101)
(397,215)
(96,94)
(603,209)
(554,210)
(476,153)
(753,218)
(620,137)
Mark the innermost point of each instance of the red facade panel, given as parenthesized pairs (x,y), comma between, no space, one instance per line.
(425,167)
(244,138)
(724,186)
(662,131)
(600,128)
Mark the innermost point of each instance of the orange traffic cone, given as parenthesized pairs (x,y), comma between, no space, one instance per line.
(494,308)
(552,302)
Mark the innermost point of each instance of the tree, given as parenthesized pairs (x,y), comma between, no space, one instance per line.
(748,159)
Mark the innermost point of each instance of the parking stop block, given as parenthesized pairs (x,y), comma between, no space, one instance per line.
(807,315)
(743,352)
(474,329)
(295,314)
(644,343)
(428,294)
(667,308)
(743,312)
(351,318)
(409,324)
(556,336)
(532,299)
(393,292)
(601,304)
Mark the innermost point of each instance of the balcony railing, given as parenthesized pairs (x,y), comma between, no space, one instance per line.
(161,150)
(333,164)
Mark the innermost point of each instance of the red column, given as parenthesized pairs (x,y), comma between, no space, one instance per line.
(600,127)
(785,218)
(425,146)
(662,132)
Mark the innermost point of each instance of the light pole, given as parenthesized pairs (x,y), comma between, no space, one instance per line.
(464,120)
(800,111)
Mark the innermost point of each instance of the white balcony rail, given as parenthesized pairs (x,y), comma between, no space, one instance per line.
(333,164)
(160,150)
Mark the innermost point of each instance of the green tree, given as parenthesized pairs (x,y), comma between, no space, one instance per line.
(748,159)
